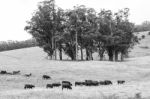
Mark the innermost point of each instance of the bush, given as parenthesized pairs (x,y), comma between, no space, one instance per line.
(148,33)
(144,47)
(11,45)
(143,36)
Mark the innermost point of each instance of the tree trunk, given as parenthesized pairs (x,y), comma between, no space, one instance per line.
(60,53)
(87,54)
(101,54)
(91,56)
(110,54)
(116,55)
(122,56)
(81,53)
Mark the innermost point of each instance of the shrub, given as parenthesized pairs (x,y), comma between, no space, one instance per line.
(144,47)
(143,36)
(148,33)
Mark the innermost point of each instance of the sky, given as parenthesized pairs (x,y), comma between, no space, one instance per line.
(15,13)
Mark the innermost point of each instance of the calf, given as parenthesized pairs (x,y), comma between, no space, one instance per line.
(28,86)
(66,85)
(49,86)
(46,77)
(120,81)
(27,75)
(16,72)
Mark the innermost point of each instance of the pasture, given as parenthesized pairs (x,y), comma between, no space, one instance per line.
(134,70)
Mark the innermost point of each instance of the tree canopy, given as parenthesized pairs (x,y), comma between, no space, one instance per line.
(83,29)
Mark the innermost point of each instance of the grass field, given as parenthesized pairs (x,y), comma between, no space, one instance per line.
(135,70)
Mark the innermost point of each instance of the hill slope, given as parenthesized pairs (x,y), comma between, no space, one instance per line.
(135,70)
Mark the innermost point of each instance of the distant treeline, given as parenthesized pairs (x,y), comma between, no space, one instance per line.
(11,45)
(145,26)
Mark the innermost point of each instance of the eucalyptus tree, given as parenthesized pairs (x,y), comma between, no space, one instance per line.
(45,26)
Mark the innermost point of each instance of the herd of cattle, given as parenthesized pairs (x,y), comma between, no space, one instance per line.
(63,84)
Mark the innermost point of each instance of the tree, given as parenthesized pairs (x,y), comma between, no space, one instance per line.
(42,26)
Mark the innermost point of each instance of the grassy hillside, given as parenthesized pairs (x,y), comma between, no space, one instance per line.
(135,70)
(142,49)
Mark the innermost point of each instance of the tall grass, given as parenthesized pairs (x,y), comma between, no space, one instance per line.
(65,95)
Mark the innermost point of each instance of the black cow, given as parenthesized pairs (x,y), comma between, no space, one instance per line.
(3,72)
(9,73)
(49,86)
(120,81)
(91,83)
(67,82)
(88,82)
(66,85)
(106,82)
(95,83)
(80,83)
(46,77)
(27,75)
(56,84)
(28,86)
(16,72)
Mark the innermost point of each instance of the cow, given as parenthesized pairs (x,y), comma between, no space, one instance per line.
(79,83)
(91,83)
(3,72)
(67,82)
(27,75)
(9,73)
(88,82)
(49,86)
(105,82)
(46,77)
(95,83)
(28,86)
(56,84)
(16,72)
(66,85)
(108,82)
(120,81)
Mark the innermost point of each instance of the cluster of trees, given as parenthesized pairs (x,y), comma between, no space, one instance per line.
(145,26)
(81,28)
(11,45)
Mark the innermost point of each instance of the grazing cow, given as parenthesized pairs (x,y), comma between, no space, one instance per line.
(27,75)
(3,72)
(91,83)
(9,73)
(28,86)
(66,85)
(95,83)
(46,77)
(79,83)
(120,81)
(16,72)
(67,82)
(56,84)
(106,82)
(49,86)
(88,82)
